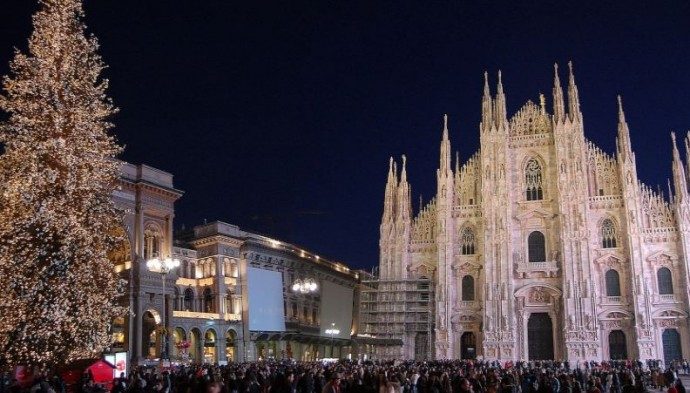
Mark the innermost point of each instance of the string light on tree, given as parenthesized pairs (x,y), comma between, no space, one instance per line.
(57,217)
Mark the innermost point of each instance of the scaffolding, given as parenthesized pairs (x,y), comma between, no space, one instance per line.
(402,310)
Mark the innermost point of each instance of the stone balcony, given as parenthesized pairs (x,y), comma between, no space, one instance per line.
(613,300)
(467,305)
(196,315)
(299,325)
(206,315)
(528,269)
(203,282)
(665,299)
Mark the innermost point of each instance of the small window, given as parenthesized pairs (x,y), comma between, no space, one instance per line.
(468,288)
(536,248)
(613,285)
(601,192)
(423,286)
(189,299)
(665,281)
(608,234)
(424,296)
(533,181)
(471,201)
(208,300)
(467,241)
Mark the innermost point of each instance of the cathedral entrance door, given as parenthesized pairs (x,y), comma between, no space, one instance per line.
(540,337)
(671,341)
(468,349)
(618,350)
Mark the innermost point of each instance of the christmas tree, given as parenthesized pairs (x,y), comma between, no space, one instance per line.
(59,292)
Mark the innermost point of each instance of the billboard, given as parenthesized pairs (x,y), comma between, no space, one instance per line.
(336,309)
(266,309)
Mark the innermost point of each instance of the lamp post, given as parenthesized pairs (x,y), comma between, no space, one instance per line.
(332,332)
(308,285)
(163,267)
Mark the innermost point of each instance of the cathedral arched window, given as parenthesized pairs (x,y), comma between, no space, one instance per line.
(536,247)
(468,288)
(608,234)
(533,181)
(613,284)
(189,299)
(467,242)
(664,281)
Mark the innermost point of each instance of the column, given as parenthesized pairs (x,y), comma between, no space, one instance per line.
(138,329)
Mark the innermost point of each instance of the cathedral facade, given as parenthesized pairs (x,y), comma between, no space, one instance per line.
(539,246)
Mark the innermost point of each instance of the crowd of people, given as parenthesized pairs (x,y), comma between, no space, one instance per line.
(461,376)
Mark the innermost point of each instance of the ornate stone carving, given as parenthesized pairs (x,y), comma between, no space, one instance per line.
(538,295)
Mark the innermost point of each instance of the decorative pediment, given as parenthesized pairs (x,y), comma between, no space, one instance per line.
(425,269)
(463,267)
(537,213)
(615,315)
(610,260)
(669,314)
(663,258)
(463,318)
(535,294)
(530,120)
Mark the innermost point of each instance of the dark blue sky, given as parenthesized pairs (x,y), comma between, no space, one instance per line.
(280,117)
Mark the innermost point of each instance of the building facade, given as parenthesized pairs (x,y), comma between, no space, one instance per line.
(539,246)
(204,304)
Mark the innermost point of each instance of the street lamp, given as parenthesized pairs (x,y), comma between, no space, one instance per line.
(308,285)
(332,332)
(163,266)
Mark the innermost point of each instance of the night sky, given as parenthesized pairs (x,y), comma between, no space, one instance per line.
(280,117)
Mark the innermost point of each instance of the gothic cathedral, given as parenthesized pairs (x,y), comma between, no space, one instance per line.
(541,245)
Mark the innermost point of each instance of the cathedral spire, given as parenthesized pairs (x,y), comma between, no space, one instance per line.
(573,95)
(391,191)
(687,152)
(623,141)
(404,202)
(500,108)
(679,181)
(558,104)
(445,161)
(403,172)
(487,113)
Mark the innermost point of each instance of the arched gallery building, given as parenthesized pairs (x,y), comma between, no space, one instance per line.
(233,296)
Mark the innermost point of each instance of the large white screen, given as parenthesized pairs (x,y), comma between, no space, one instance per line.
(336,307)
(266,311)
